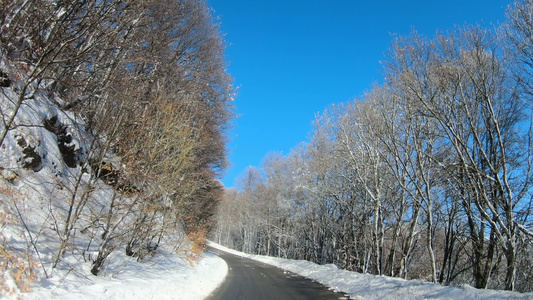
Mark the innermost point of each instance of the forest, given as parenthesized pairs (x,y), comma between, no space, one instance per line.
(114,116)
(428,175)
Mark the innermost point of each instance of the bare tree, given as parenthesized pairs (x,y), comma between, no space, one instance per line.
(469,95)
(517,34)
(148,79)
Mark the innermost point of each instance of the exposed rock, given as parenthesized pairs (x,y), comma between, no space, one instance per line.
(4,79)
(31,159)
(64,139)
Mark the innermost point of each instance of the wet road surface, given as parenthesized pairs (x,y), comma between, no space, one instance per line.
(252,280)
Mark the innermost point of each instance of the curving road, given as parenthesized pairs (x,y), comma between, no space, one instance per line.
(249,279)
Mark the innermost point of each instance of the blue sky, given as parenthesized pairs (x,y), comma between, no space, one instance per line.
(293,58)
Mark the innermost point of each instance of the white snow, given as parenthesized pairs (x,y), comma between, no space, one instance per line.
(368,287)
(167,276)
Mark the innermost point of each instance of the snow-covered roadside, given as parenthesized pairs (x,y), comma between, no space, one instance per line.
(167,276)
(36,185)
(366,286)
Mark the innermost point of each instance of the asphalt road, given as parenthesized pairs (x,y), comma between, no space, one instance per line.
(251,280)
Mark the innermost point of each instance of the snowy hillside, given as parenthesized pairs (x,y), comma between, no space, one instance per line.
(52,215)
(111,142)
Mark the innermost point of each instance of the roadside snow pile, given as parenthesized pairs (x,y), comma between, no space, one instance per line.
(165,277)
(368,287)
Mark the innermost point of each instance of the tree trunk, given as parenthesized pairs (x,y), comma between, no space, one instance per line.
(510,275)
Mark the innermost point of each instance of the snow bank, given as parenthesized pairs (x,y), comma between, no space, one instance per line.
(368,287)
(166,276)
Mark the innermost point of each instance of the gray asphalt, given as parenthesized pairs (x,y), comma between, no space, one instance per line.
(251,280)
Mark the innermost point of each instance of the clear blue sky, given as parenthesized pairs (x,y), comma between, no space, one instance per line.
(292,58)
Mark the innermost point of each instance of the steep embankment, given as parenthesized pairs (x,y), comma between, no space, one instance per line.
(55,212)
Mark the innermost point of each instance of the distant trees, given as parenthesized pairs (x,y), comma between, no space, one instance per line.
(428,175)
(147,81)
